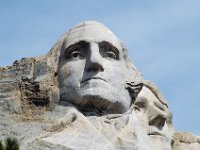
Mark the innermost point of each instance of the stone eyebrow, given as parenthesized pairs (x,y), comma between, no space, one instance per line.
(75,46)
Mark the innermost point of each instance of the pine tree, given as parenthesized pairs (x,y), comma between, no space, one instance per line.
(1,146)
(11,144)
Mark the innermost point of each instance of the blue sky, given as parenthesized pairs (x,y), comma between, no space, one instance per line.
(163,38)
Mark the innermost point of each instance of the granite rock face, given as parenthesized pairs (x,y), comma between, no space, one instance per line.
(86,94)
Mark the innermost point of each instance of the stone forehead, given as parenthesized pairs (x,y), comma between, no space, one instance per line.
(90,30)
(92,25)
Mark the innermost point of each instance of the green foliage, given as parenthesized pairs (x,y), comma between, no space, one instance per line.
(10,144)
(1,146)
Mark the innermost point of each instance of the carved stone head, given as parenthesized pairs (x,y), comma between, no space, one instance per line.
(93,70)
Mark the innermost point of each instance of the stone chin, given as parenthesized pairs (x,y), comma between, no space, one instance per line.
(99,98)
(100,104)
(107,97)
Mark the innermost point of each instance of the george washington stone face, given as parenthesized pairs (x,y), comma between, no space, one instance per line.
(92,71)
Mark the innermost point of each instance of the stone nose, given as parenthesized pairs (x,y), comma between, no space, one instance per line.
(94,60)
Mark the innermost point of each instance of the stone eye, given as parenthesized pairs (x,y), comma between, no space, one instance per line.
(136,108)
(111,54)
(108,50)
(75,55)
(76,51)
(158,122)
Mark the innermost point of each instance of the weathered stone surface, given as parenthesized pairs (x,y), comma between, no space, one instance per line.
(86,94)
(186,141)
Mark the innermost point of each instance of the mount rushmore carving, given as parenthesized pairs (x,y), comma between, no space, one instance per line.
(86,94)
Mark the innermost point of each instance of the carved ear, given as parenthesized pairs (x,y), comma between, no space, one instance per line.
(134,89)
